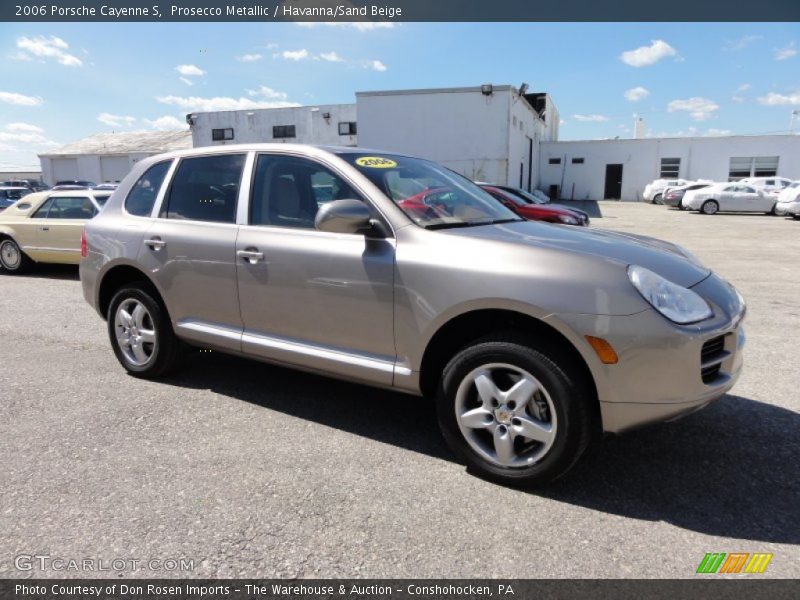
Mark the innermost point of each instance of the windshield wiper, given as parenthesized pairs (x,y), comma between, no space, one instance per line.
(455,224)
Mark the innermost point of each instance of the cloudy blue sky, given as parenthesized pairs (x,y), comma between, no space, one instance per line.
(60,82)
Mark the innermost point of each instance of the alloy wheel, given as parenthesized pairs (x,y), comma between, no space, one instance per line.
(10,255)
(135,332)
(506,415)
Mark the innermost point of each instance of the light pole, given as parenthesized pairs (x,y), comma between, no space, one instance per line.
(795,112)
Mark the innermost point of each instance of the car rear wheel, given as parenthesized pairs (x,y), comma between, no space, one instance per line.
(710,207)
(12,258)
(658,199)
(141,333)
(512,413)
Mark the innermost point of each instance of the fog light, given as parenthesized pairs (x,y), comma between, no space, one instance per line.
(603,349)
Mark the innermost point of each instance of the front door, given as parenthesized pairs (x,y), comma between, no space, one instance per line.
(189,250)
(613,189)
(313,299)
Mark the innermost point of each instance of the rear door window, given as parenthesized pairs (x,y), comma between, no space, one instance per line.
(79,207)
(205,188)
(143,194)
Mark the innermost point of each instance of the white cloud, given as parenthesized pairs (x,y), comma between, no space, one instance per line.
(43,48)
(196,103)
(23,133)
(249,57)
(190,70)
(167,122)
(271,46)
(20,99)
(700,109)
(375,65)
(357,25)
(787,51)
(744,87)
(24,127)
(737,99)
(648,55)
(116,120)
(186,80)
(742,42)
(590,118)
(773,99)
(294,54)
(715,132)
(331,57)
(268,93)
(636,94)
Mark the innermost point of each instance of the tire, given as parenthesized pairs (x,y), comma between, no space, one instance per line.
(470,424)
(710,207)
(657,199)
(12,259)
(151,348)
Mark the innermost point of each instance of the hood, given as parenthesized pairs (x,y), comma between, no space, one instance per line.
(664,258)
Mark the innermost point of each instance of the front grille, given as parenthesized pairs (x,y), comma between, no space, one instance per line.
(711,357)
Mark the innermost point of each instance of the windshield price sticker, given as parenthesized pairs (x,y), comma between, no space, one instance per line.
(375,162)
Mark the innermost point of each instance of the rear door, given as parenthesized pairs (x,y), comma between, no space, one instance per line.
(189,249)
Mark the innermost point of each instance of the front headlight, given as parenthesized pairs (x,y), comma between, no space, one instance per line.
(677,303)
(568,220)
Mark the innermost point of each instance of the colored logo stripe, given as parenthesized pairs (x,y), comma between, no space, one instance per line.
(714,562)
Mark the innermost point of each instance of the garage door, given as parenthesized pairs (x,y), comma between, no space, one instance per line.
(114,168)
(65,169)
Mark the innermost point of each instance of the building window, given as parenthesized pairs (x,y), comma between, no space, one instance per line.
(577,161)
(347,128)
(217,135)
(670,167)
(283,131)
(554,161)
(752,166)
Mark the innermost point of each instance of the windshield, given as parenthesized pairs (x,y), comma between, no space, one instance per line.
(527,196)
(432,196)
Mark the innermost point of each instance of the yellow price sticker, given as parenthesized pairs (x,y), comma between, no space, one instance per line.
(375,162)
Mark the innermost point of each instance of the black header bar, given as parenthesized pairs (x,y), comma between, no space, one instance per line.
(399,10)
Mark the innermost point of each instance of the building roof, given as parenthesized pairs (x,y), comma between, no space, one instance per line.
(147,142)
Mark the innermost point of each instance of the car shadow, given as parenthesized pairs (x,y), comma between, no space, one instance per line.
(730,470)
(47,271)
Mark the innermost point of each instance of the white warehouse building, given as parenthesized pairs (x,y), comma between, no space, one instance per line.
(331,124)
(619,169)
(108,157)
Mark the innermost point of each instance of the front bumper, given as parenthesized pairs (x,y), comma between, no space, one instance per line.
(662,372)
(789,208)
(671,201)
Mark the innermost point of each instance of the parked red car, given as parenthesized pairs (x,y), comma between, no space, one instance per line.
(537,212)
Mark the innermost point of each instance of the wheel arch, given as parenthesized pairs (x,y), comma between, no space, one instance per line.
(460,330)
(116,277)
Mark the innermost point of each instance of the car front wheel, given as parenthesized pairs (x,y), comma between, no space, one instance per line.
(657,199)
(710,207)
(12,258)
(513,414)
(141,333)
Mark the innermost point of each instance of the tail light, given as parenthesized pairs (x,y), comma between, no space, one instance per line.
(83,243)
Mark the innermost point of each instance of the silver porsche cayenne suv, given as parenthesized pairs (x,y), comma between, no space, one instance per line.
(396,272)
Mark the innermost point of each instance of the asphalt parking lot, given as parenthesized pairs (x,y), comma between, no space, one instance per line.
(256,471)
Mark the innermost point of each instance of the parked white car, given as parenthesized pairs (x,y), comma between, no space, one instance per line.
(767,185)
(789,200)
(654,191)
(728,197)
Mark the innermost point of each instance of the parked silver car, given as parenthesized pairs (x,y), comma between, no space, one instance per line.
(396,272)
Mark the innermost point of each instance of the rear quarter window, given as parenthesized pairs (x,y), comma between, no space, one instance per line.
(142,197)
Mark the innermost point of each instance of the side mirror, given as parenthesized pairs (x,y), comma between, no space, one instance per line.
(343,216)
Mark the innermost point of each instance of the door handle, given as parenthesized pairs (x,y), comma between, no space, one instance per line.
(251,255)
(45,229)
(155,243)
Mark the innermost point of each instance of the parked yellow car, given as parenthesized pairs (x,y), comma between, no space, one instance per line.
(46,227)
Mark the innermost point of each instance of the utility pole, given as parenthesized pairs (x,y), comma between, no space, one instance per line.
(795,112)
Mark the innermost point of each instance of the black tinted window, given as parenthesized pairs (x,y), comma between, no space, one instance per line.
(288,191)
(71,208)
(41,212)
(143,194)
(205,188)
